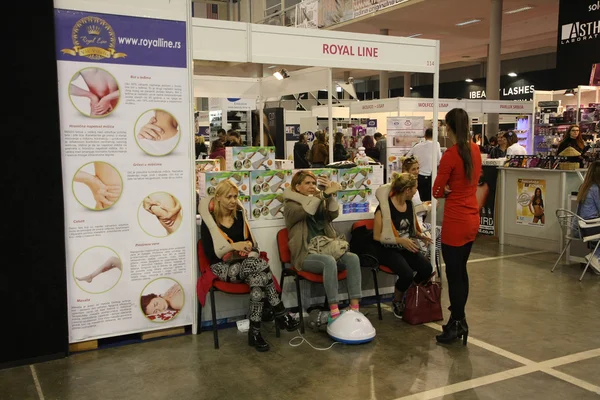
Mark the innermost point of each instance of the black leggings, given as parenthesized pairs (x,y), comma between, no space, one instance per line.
(404,264)
(458,279)
(424,187)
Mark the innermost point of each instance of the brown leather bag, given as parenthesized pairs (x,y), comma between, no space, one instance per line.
(423,303)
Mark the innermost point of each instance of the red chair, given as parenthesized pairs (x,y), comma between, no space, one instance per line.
(225,287)
(286,258)
(368,223)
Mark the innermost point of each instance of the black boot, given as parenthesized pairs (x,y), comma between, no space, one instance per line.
(255,338)
(268,314)
(450,322)
(455,329)
(284,320)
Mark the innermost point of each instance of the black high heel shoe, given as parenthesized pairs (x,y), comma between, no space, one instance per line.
(287,322)
(455,329)
(256,340)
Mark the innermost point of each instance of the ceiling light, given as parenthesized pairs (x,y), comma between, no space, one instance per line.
(338,89)
(415,35)
(518,10)
(473,21)
(281,74)
(512,74)
(411,88)
(570,92)
(469,80)
(271,67)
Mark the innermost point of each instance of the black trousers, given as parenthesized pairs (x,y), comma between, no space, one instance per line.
(458,279)
(407,265)
(425,187)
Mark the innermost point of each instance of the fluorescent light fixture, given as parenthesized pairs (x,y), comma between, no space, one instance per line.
(415,35)
(281,74)
(469,80)
(473,21)
(570,92)
(271,67)
(338,89)
(518,10)
(512,74)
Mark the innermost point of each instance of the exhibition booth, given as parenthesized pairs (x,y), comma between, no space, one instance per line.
(307,58)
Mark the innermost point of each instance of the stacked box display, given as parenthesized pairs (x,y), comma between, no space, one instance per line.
(250,158)
(208,181)
(268,182)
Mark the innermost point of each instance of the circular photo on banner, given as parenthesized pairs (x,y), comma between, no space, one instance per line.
(160,214)
(97,269)
(157,132)
(97,185)
(94,92)
(162,299)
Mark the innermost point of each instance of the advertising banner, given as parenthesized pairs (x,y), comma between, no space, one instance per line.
(364,7)
(126,146)
(578,39)
(530,202)
(486,197)
(402,134)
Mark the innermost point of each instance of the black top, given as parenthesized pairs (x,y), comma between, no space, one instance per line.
(496,152)
(403,221)
(235,233)
(300,151)
(373,153)
(339,152)
(201,148)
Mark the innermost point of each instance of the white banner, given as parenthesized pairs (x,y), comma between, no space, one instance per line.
(126,145)
(364,7)
(402,134)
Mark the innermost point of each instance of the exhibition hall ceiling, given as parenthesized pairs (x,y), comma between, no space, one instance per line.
(525,33)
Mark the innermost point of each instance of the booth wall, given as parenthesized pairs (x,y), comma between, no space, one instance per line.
(32,239)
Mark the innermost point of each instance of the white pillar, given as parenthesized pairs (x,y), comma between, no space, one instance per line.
(434,166)
(493,69)
(384,78)
(330,90)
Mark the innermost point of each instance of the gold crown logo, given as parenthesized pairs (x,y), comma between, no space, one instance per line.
(94,30)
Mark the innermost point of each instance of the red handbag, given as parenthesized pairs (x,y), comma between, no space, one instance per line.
(423,303)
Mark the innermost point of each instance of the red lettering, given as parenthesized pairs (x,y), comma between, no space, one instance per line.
(376,52)
(325,48)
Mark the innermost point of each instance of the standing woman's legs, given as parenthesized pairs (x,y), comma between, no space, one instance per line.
(458,279)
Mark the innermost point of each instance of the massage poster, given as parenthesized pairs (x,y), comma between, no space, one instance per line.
(402,134)
(531,194)
(126,146)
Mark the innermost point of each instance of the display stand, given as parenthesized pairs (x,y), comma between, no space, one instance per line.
(309,56)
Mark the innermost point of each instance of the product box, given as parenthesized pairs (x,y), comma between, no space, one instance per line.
(266,206)
(250,158)
(284,164)
(208,181)
(360,177)
(355,201)
(206,165)
(267,182)
(246,203)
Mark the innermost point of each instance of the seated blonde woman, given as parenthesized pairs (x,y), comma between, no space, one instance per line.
(232,251)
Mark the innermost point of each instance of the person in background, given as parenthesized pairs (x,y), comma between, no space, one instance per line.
(319,151)
(234,139)
(482,142)
(573,139)
(588,200)
(381,146)
(222,135)
(493,142)
(395,231)
(500,150)
(308,213)
(514,148)
(457,179)
(422,152)
(369,145)
(217,149)
(200,146)
(229,245)
(301,150)
(339,151)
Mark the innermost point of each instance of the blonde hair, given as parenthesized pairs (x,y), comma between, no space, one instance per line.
(408,162)
(222,190)
(300,177)
(403,181)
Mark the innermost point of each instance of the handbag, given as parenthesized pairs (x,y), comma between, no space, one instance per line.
(335,247)
(423,303)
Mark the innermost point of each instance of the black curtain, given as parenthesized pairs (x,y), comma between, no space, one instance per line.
(33,273)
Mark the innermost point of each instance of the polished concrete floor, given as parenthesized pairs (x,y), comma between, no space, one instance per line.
(534,335)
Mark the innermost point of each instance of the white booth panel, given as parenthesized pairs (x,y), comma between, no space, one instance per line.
(209,37)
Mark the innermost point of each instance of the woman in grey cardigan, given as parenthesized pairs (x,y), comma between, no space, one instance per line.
(308,213)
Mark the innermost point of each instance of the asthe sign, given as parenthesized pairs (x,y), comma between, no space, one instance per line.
(579,31)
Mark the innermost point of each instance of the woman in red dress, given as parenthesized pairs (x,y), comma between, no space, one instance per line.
(458,175)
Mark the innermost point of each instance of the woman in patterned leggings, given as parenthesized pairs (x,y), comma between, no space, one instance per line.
(232,252)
